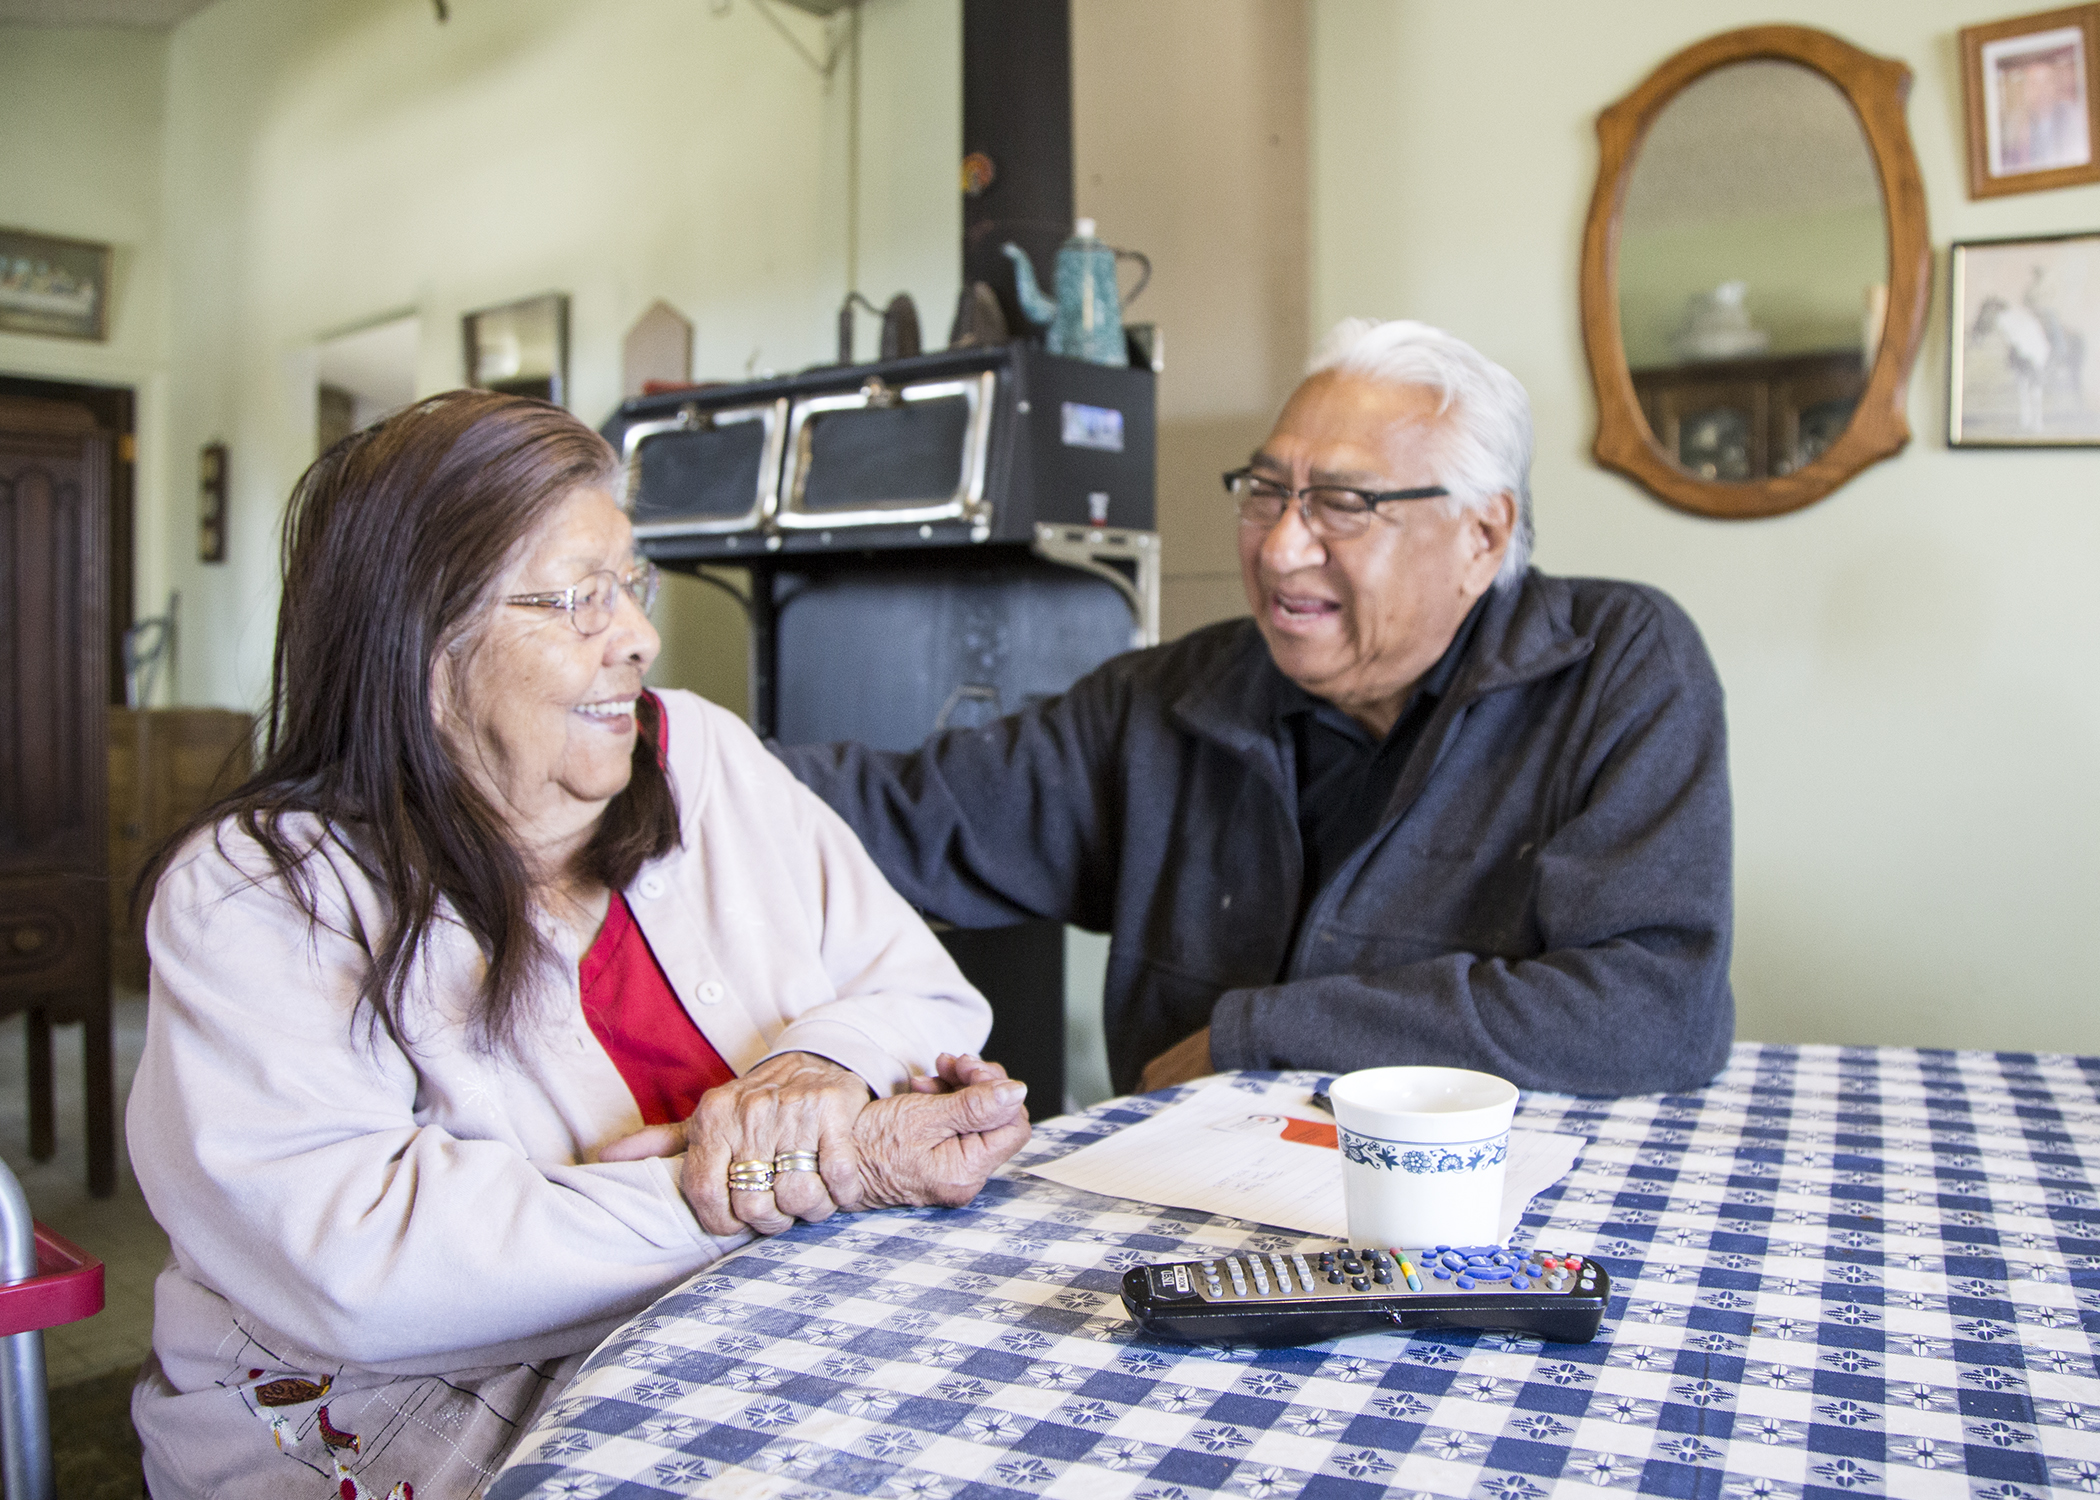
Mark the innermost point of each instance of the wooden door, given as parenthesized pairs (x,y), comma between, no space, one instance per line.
(54,683)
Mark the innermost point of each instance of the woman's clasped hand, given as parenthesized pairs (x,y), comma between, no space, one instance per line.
(933,1145)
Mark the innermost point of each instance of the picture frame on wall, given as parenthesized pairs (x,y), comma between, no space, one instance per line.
(521,348)
(2025,313)
(55,287)
(2031,86)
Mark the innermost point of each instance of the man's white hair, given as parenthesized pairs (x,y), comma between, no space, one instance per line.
(1486,439)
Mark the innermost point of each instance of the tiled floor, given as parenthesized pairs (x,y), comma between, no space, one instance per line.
(119,1229)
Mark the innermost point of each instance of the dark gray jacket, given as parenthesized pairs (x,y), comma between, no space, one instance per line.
(1547,898)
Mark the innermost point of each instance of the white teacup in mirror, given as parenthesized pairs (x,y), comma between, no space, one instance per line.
(1751,242)
(1423,1153)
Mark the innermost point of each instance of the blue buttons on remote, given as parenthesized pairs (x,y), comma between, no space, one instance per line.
(1474,1265)
(1465,1268)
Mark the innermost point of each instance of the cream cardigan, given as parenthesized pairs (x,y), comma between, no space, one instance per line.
(354,1212)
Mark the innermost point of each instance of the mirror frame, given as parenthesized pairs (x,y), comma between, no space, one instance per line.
(1877,88)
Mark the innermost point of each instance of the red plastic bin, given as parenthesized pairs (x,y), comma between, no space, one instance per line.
(66,1288)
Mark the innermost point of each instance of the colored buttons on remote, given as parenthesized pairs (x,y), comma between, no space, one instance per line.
(1361,1291)
(1479,1263)
(1381,1271)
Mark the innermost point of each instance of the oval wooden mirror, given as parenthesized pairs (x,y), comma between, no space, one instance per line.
(1755,271)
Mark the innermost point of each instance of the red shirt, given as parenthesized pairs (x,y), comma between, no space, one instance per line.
(635,1015)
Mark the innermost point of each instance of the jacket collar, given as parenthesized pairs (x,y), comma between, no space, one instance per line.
(1528,633)
(1524,634)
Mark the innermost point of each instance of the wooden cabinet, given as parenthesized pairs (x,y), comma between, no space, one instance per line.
(165,765)
(54,688)
(1744,419)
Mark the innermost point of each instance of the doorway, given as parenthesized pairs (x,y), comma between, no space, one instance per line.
(56,463)
(115,412)
(364,375)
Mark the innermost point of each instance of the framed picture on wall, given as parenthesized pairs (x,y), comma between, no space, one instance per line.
(2024,315)
(2032,87)
(55,287)
(521,348)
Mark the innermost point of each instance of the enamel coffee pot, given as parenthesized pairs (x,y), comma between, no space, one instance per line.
(1086,320)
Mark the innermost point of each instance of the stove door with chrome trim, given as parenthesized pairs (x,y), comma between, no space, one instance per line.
(701,471)
(888,456)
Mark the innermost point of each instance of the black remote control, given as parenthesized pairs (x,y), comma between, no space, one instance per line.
(1277,1301)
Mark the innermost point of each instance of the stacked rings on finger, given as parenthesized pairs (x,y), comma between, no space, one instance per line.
(751,1177)
(795,1161)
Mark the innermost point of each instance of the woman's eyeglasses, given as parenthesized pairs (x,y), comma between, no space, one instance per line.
(1332,512)
(591,602)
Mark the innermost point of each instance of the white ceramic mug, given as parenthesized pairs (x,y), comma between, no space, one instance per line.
(1422,1154)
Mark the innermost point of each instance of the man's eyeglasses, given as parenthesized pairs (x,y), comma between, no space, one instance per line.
(592,602)
(1332,512)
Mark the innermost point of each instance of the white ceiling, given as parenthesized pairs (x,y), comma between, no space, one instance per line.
(1751,140)
(148,13)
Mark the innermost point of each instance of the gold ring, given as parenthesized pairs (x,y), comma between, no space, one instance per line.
(795,1161)
(751,1177)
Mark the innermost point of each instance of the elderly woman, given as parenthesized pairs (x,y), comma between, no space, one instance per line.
(491,932)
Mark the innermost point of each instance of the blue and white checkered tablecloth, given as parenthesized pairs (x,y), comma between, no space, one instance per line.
(1836,1271)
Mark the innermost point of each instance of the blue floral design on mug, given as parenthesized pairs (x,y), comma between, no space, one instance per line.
(1424,1160)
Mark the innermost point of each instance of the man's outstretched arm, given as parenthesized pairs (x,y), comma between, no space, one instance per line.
(988,826)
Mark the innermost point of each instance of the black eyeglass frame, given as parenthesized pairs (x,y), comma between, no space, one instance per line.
(641,585)
(1368,501)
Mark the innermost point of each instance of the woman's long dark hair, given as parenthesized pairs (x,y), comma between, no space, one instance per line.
(392,543)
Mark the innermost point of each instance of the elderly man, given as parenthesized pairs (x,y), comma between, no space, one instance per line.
(1428,805)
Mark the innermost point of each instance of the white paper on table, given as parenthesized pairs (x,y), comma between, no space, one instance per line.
(1267,1155)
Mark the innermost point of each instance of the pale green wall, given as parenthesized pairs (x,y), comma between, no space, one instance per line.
(330,163)
(1188,143)
(85,164)
(1807,275)
(1914,717)
(81,115)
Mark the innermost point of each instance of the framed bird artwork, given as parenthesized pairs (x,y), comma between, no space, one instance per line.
(2024,317)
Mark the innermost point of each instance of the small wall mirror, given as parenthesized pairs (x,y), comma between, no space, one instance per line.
(1755,272)
(521,348)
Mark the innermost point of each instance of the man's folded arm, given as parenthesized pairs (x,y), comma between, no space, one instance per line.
(1633,899)
(1647,1013)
